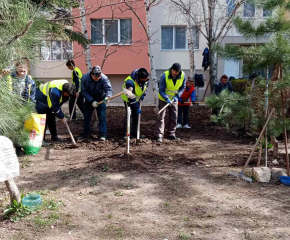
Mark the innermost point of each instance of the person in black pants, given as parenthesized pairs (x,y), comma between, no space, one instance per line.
(137,84)
(76,80)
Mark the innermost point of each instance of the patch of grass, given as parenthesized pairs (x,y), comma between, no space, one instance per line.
(25,162)
(93,181)
(52,205)
(105,168)
(16,211)
(41,222)
(183,236)
(113,232)
(119,194)
(110,216)
(186,219)
(166,204)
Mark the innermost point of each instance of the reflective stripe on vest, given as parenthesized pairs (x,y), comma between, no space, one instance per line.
(171,89)
(44,88)
(138,90)
(79,76)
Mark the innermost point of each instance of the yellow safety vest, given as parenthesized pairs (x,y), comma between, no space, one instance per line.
(9,82)
(171,89)
(138,90)
(44,88)
(79,75)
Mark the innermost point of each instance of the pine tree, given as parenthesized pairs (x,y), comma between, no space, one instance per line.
(275,55)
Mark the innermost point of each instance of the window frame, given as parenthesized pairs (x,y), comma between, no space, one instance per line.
(61,50)
(255,13)
(173,41)
(119,32)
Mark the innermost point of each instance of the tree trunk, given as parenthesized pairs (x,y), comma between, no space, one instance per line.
(13,190)
(213,66)
(151,56)
(85,32)
(190,34)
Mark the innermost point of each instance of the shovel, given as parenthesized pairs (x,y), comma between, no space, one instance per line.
(71,136)
(72,113)
(138,127)
(164,107)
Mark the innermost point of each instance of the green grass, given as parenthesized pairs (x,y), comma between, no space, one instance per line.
(41,221)
(93,181)
(183,236)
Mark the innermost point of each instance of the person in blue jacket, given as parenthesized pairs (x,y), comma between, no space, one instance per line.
(223,84)
(96,87)
(137,83)
(49,99)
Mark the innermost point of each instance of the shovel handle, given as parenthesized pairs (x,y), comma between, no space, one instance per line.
(72,113)
(71,136)
(163,108)
(139,120)
(115,96)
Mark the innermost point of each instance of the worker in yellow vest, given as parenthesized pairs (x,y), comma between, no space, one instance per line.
(172,85)
(76,80)
(137,83)
(49,99)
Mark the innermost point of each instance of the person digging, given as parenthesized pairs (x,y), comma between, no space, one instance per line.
(136,83)
(49,99)
(172,85)
(96,87)
(76,80)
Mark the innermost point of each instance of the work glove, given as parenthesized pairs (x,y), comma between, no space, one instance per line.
(95,104)
(142,97)
(168,101)
(193,103)
(105,100)
(64,120)
(175,99)
(77,94)
(139,111)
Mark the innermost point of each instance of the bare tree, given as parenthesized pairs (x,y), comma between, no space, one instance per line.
(213,18)
(85,32)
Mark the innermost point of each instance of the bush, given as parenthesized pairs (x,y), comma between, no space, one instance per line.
(241,85)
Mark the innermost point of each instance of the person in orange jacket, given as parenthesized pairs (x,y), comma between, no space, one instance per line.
(187,97)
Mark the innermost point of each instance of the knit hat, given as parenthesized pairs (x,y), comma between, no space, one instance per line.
(142,73)
(176,67)
(96,71)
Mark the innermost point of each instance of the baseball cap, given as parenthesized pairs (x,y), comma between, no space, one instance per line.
(96,71)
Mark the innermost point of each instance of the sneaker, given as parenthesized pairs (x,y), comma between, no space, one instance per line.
(45,144)
(186,126)
(56,139)
(102,139)
(19,152)
(159,140)
(178,125)
(173,138)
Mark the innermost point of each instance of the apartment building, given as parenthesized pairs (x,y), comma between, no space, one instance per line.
(118,37)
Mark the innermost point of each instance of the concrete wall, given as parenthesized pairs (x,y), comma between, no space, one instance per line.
(50,70)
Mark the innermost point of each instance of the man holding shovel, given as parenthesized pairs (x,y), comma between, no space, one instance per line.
(136,84)
(76,80)
(49,99)
(96,87)
(172,85)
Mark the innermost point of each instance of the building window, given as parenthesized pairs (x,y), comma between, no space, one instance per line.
(231,6)
(175,38)
(56,50)
(118,31)
(249,10)
(267,13)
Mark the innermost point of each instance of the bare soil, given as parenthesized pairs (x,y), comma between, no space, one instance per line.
(174,190)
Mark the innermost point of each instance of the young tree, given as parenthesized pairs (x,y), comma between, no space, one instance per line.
(213,19)
(276,55)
